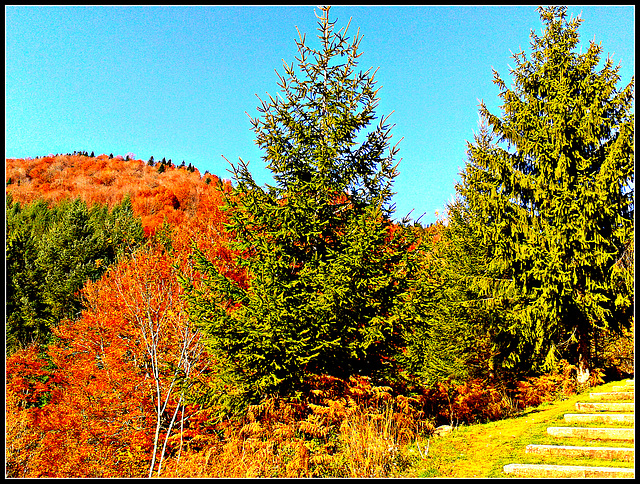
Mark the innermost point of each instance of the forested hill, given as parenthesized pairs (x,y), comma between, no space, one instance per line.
(159,190)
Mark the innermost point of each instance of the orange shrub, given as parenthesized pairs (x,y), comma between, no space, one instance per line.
(339,428)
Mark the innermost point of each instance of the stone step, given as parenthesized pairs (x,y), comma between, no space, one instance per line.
(611,396)
(627,418)
(625,388)
(542,470)
(605,407)
(622,453)
(621,433)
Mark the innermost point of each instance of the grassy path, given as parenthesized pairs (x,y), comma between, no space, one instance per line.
(482,450)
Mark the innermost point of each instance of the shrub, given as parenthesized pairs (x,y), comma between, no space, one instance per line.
(342,428)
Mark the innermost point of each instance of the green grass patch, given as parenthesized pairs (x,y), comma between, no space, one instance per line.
(482,450)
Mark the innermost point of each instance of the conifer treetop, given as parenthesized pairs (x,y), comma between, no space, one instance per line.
(309,131)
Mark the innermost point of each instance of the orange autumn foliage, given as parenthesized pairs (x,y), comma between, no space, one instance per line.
(104,388)
(99,401)
(173,195)
(342,428)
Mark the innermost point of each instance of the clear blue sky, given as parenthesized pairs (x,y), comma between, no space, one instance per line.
(176,82)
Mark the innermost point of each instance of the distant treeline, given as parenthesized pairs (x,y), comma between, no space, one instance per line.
(129,156)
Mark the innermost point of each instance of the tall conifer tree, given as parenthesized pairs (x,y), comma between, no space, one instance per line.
(550,184)
(323,258)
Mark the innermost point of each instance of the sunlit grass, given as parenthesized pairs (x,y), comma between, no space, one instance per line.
(483,450)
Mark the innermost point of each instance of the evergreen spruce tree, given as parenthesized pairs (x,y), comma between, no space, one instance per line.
(447,338)
(24,304)
(326,265)
(549,185)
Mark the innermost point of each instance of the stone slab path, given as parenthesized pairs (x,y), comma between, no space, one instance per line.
(608,408)
(622,453)
(626,418)
(535,470)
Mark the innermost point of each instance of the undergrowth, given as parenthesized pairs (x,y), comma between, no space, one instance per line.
(352,428)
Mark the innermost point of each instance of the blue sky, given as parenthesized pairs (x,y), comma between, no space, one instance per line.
(177,82)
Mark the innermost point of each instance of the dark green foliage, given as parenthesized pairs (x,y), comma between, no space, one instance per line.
(164,236)
(51,252)
(446,338)
(23,274)
(549,186)
(326,266)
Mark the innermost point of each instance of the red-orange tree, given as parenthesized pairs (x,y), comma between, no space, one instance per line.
(108,398)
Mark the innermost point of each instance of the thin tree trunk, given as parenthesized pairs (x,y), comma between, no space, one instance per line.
(584,357)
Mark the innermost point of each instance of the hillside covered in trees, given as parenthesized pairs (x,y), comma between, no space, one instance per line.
(161,322)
